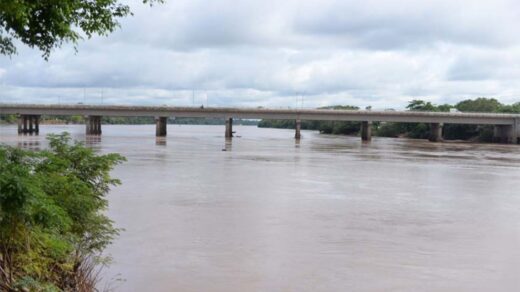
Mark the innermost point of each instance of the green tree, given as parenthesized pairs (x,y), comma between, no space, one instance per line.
(8,119)
(52,225)
(482,133)
(421,105)
(412,130)
(47,24)
(481,104)
(513,108)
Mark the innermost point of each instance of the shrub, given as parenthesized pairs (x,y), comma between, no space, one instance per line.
(51,215)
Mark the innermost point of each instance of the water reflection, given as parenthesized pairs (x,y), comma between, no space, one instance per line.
(228,145)
(160,141)
(92,140)
(30,144)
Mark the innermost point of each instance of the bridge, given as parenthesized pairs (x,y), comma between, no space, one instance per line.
(506,126)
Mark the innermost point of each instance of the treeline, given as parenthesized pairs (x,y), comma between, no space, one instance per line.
(483,133)
(12,119)
(326,127)
(209,121)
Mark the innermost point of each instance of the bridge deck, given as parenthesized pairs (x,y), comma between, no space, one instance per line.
(261,113)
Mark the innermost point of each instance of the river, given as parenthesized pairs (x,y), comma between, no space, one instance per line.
(329,213)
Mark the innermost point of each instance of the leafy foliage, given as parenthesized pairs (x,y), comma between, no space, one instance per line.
(51,214)
(481,105)
(47,24)
(451,131)
(7,119)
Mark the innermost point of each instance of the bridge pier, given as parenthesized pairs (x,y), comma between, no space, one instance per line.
(298,127)
(366,131)
(516,132)
(29,124)
(435,132)
(160,126)
(229,128)
(507,134)
(93,125)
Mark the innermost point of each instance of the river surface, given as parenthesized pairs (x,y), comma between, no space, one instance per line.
(328,213)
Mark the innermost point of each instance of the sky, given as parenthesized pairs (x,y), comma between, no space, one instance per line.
(279,54)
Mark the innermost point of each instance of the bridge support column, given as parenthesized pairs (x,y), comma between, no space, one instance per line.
(435,132)
(229,128)
(366,131)
(516,132)
(160,126)
(93,124)
(20,125)
(29,124)
(37,125)
(507,134)
(298,127)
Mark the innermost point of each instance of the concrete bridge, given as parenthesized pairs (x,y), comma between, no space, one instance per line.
(507,126)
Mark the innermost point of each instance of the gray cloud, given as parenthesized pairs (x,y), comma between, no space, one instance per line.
(413,24)
(266,53)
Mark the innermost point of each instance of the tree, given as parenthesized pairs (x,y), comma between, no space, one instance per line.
(411,130)
(513,108)
(52,222)
(421,105)
(481,104)
(47,24)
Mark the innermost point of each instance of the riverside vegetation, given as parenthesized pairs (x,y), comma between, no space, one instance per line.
(483,133)
(52,223)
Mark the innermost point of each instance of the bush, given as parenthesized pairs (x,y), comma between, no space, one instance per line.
(52,224)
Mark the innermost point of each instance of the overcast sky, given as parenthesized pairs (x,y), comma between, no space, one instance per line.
(278,53)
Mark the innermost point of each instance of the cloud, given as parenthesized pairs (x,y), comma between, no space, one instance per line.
(267,53)
(404,24)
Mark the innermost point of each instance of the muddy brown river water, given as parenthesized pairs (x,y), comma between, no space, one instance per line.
(326,214)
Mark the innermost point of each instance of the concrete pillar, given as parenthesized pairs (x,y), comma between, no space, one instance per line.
(28,124)
(160,126)
(37,125)
(24,130)
(516,131)
(99,126)
(229,128)
(93,125)
(298,126)
(20,124)
(366,131)
(435,132)
(31,124)
(506,134)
